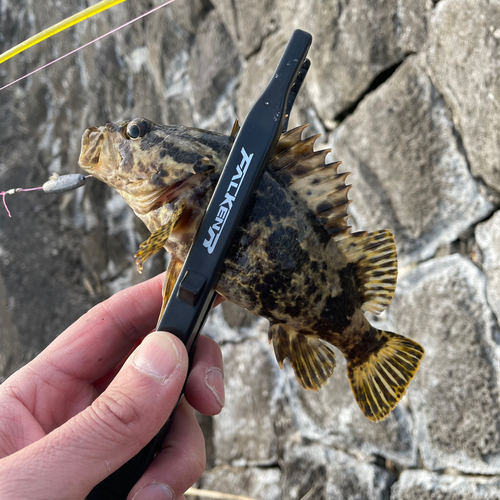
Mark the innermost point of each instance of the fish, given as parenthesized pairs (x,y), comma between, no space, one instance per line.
(294,259)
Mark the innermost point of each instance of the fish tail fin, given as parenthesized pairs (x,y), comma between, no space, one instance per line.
(313,361)
(380,377)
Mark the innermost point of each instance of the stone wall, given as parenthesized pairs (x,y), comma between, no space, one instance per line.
(407,95)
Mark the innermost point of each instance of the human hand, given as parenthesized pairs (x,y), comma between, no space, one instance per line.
(81,409)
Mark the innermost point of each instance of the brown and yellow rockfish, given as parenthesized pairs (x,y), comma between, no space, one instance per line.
(293,260)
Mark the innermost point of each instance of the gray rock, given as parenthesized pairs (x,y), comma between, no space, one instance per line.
(236,316)
(353,42)
(62,254)
(164,56)
(409,173)
(423,485)
(247,27)
(253,482)
(244,431)
(213,66)
(255,76)
(488,240)
(412,144)
(11,355)
(229,323)
(252,81)
(332,417)
(464,59)
(321,473)
(189,14)
(454,397)
(40,264)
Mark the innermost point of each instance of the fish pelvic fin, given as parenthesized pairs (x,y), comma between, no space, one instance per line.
(380,378)
(313,361)
(375,257)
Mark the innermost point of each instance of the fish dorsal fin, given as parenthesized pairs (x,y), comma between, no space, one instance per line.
(319,186)
(375,258)
(303,171)
(236,129)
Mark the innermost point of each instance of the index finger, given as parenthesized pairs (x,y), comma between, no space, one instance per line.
(102,337)
(98,341)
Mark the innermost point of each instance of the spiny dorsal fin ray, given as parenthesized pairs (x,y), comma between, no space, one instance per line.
(236,129)
(313,362)
(319,186)
(380,380)
(376,265)
(290,138)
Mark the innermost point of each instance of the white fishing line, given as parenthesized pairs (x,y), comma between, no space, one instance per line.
(89,43)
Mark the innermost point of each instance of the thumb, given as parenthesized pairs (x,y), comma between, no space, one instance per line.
(118,424)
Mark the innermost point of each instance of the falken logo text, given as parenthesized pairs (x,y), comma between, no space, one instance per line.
(225,207)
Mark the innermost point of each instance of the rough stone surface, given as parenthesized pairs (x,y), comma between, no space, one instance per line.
(319,473)
(455,399)
(331,416)
(246,28)
(409,173)
(213,65)
(237,317)
(488,240)
(357,40)
(232,324)
(244,431)
(407,95)
(252,482)
(423,485)
(464,60)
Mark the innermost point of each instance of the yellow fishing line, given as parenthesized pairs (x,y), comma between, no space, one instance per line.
(57,28)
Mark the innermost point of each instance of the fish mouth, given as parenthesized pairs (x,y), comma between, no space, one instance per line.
(92,142)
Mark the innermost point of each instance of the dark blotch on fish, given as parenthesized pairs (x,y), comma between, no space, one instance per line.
(293,260)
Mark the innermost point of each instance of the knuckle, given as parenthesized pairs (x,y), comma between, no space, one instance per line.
(118,414)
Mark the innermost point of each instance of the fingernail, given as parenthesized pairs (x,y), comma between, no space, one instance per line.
(157,356)
(154,491)
(214,379)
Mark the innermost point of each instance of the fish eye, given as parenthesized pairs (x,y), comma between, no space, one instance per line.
(136,129)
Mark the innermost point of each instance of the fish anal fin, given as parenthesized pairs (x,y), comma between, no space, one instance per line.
(313,362)
(380,378)
(375,257)
(318,185)
(173,271)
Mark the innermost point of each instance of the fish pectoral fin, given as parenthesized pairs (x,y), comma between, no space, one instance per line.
(173,271)
(380,378)
(158,239)
(313,361)
(375,257)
